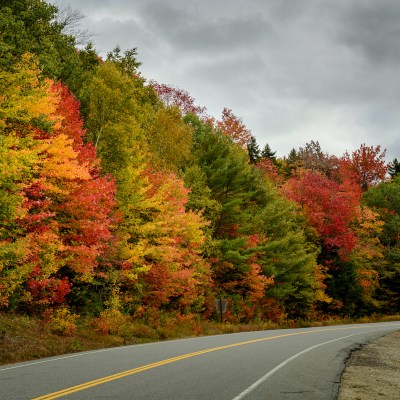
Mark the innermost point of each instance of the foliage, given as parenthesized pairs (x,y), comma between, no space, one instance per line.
(385,200)
(253,150)
(172,96)
(250,225)
(313,158)
(169,139)
(123,199)
(234,127)
(268,153)
(62,322)
(368,162)
(32,26)
(60,216)
(330,207)
(394,168)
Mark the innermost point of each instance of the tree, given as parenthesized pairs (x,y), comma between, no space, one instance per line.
(394,168)
(288,256)
(269,170)
(232,126)
(253,150)
(157,258)
(169,139)
(172,239)
(291,163)
(172,96)
(330,207)
(244,246)
(114,123)
(313,158)
(70,206)
(385,200)
(268,153)
(127,63)
(25,105)
(70,22)
(369,164)
(25,99)
(34,26)
(61,208)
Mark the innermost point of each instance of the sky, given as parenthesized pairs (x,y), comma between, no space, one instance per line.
(293,70)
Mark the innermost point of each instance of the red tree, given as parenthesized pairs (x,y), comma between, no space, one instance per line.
(69,208)
(331,207)
(369,164)
(172,96)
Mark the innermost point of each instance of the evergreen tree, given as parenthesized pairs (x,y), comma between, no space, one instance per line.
(254,233)
(291,162)
(394,168)
(253,150)
(268,153)
(35,26)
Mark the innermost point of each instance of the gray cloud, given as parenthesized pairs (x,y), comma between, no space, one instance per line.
(294,70)
(372,28)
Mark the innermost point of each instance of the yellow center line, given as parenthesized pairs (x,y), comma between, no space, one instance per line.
(109,378)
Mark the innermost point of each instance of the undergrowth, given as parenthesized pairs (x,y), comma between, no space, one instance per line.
(25,338)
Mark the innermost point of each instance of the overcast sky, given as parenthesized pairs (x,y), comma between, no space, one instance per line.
(293,70)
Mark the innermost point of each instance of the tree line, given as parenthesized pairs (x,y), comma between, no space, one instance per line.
(121,196)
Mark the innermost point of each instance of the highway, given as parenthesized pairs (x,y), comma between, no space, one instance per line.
(303,363)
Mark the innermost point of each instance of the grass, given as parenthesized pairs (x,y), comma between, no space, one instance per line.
(25,338)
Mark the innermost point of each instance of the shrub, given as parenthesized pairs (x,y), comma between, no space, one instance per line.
(61,321)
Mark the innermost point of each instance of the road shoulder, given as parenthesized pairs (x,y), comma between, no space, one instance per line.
(373,370)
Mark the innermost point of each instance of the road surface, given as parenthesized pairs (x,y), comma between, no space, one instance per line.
(279,364)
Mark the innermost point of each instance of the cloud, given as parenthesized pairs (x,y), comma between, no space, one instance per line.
(294,70)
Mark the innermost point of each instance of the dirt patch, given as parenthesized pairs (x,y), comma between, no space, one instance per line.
(373,371)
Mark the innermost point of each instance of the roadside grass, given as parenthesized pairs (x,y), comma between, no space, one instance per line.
(24,338)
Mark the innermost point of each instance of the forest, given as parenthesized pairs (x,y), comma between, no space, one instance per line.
(119,196)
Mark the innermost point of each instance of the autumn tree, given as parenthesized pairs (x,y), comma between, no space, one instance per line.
(178,277)
(368,162)
(24,104)
(330,206)
(139,140)
(169,139)
(313,158)
(385,200)
(233,126)
(333,207)
(87,215)
(173,96)
(63,218)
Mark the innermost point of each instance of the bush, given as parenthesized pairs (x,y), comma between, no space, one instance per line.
(62,322)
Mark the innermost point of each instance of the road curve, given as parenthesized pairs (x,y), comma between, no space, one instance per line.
(280,364)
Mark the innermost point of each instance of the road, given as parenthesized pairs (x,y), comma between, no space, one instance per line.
(279,364)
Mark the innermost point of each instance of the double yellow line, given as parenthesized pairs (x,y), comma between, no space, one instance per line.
(109,378)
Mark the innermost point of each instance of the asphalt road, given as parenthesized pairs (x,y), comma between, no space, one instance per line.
(280,364)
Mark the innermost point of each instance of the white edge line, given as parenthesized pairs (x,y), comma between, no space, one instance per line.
(78,354)
(118,348)
(83,353)
(58,358)
(278,367)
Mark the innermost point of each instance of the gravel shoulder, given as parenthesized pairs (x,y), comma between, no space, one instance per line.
(373,371)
